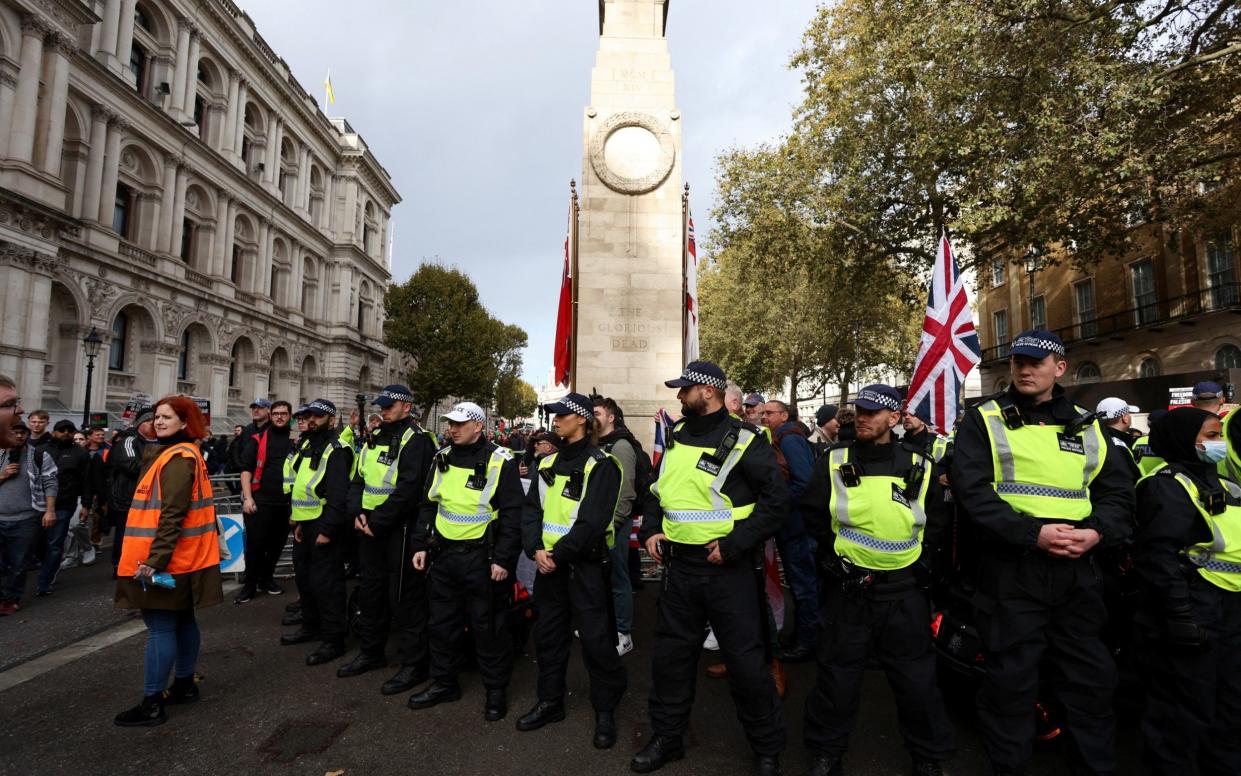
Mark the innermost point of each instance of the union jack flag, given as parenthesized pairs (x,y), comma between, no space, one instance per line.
(663,430)
(949,347)
(691,290)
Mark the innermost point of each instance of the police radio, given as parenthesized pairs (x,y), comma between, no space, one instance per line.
(851,474)
(1076,425)
(478,480)
(573,488)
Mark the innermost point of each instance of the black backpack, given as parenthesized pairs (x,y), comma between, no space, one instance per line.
(643,476)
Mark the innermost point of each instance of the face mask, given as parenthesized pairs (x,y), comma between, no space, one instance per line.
(1212,451)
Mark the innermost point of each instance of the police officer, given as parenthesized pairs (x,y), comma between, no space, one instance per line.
(385,496)
(872,505)
(471,516)
(1117,417)
(321,471)
(718,496)
(1046,489)
(567,530)
(1146,458)
(1188,556)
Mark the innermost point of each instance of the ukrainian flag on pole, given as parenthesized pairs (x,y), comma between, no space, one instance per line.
(329,97)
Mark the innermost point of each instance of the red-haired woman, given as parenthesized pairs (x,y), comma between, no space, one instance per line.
(170,528)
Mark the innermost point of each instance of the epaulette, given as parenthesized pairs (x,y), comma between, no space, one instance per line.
(599,455)
(443,450)
(503,452)
(744,424)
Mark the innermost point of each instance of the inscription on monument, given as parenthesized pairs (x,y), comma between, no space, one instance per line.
(629,331)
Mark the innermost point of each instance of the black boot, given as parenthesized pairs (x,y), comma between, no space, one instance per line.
(927,768)
(326,653)
(361,664)
(404,680)
(542,713)
(245,596)
(291,619)
(605,730)
(299,636)
(768,765)
(496,706)
(184,689)
(658,753)
(438,692)
(826,765)
(294,608)
(149,713)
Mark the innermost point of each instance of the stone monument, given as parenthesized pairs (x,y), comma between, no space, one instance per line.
(630,230)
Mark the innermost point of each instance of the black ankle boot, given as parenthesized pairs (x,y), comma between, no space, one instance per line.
(146,714)
(658,753)
(184,689)
(605,730)
(544,712)
(496,706)
(768,765)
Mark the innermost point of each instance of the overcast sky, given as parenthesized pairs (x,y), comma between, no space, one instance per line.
(475,109)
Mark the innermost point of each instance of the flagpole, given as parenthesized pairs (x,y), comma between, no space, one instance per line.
(684,270)
(573,270)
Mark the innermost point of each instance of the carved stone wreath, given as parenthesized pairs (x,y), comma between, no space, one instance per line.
(620,183)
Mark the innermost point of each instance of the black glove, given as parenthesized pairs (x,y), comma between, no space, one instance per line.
(1181,629)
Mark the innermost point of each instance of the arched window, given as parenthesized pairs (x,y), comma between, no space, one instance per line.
(1148,368)
(122,211)
(183,358)
(1088,372)
(232,364)
(116,350)
(1228,357)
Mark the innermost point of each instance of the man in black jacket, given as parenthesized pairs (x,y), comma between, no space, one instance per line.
(472,514)
(384,499)
(1061,493)
(125,468)
(73,499)
(264,503)
(718,496)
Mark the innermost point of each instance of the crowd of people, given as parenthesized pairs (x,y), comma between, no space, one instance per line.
(866,522)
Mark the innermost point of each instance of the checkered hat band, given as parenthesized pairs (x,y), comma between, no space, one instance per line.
(882,400)
(397,396)
(321,407)
(471,413)
(699,378)
(1035,342)
(576,408)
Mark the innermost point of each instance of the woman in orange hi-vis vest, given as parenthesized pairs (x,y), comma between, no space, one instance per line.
(171,528)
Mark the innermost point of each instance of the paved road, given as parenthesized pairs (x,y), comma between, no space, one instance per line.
(264,712)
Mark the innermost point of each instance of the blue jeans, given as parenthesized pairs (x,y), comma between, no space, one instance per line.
(16,544)
(172,639)
(54,547)
(796,550)
(622,591)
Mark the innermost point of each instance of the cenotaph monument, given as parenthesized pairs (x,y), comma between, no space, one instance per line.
(630,229)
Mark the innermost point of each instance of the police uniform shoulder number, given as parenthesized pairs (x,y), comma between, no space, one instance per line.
(502,452)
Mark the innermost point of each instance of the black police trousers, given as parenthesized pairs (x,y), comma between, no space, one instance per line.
(267,531)
(461,592)
(1032,610)
(392,595)
(1193,694)
(577,597)
(320,575)
(889,623)
(726,597)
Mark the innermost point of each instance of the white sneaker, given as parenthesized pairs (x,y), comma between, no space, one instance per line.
(88,557)
(69,563)
(624,644)
(710,642)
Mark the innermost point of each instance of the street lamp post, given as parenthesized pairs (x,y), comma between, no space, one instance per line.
(91,344)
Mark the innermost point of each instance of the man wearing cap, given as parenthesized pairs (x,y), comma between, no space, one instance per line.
(826,428)
(877,512)
(124,471)
(1208,396)
(471,514)
(567,529)
(321,470)
(1117,417)
(752,404)
(384,499)
(1038,477)
(718,496)
(265,505)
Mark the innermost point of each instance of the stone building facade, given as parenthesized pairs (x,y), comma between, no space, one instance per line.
(1164,315)
(165,180)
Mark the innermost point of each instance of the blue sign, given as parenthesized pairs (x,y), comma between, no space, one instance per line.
(234,533)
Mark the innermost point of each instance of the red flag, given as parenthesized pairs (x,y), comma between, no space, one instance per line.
(564,317)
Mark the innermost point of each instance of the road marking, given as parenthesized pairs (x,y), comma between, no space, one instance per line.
(31,669)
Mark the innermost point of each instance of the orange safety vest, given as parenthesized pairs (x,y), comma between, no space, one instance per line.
(198,546)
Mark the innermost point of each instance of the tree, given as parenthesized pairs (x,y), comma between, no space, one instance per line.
(460,350)
(515,398)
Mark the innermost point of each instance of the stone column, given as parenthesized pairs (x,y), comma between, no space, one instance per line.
(329,201)
(209,267)
(272,161)
(94,162)
(25,107)
(177,99)
(303,182)
(155,207)
(243,94)
(349,219)
(8,94)
(167,204)
(262,272)
(229,132)
(109,29)
(191,78)
(225,250)
(111,169)
(125,34)
(178,212)
(58,98)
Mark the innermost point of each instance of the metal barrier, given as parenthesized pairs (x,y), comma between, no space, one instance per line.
(226,497)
